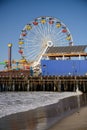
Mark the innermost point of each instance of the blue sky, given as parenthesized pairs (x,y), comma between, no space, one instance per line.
(15,14)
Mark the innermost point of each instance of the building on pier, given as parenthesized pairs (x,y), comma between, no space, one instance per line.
(65,60)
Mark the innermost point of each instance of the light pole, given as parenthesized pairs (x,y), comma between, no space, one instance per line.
(9,55)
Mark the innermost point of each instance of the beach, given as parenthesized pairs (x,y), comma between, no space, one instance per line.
(16,102)
(76,121)
(45,117)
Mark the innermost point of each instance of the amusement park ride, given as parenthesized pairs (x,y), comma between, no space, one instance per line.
(35,38)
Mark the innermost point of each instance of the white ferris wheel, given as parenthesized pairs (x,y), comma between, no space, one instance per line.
(41,33)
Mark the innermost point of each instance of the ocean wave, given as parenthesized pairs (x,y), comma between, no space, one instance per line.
(14,102)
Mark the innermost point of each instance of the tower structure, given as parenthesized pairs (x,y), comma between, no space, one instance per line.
(9,55)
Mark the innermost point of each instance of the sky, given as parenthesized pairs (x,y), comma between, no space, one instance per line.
(15,14)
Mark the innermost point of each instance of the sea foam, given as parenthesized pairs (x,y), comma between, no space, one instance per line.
(14,102)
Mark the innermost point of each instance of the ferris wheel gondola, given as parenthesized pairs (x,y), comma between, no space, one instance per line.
(41,33)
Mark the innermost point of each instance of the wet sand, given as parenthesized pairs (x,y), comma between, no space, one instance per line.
(76,121)
(41,118)
(44,118)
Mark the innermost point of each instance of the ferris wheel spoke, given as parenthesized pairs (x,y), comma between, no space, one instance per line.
(59,33)
(30,46)
(35,40)
(32,50)
(47,30)
(31,36)
(32,56)
(62,37)
(44,30)
(38,31)
(30,40)
(58,37)
(31,33)
(50,29)
(60,43)
(59,40)
(53,30)
(39,28)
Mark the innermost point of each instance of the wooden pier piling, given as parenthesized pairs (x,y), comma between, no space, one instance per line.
(21,81)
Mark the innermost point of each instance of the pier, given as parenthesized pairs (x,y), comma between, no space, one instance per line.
(22,81)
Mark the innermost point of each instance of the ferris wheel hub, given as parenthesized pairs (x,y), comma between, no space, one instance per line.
(49,43)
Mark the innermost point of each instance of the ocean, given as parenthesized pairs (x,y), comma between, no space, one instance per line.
(37,110)
(15,102)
